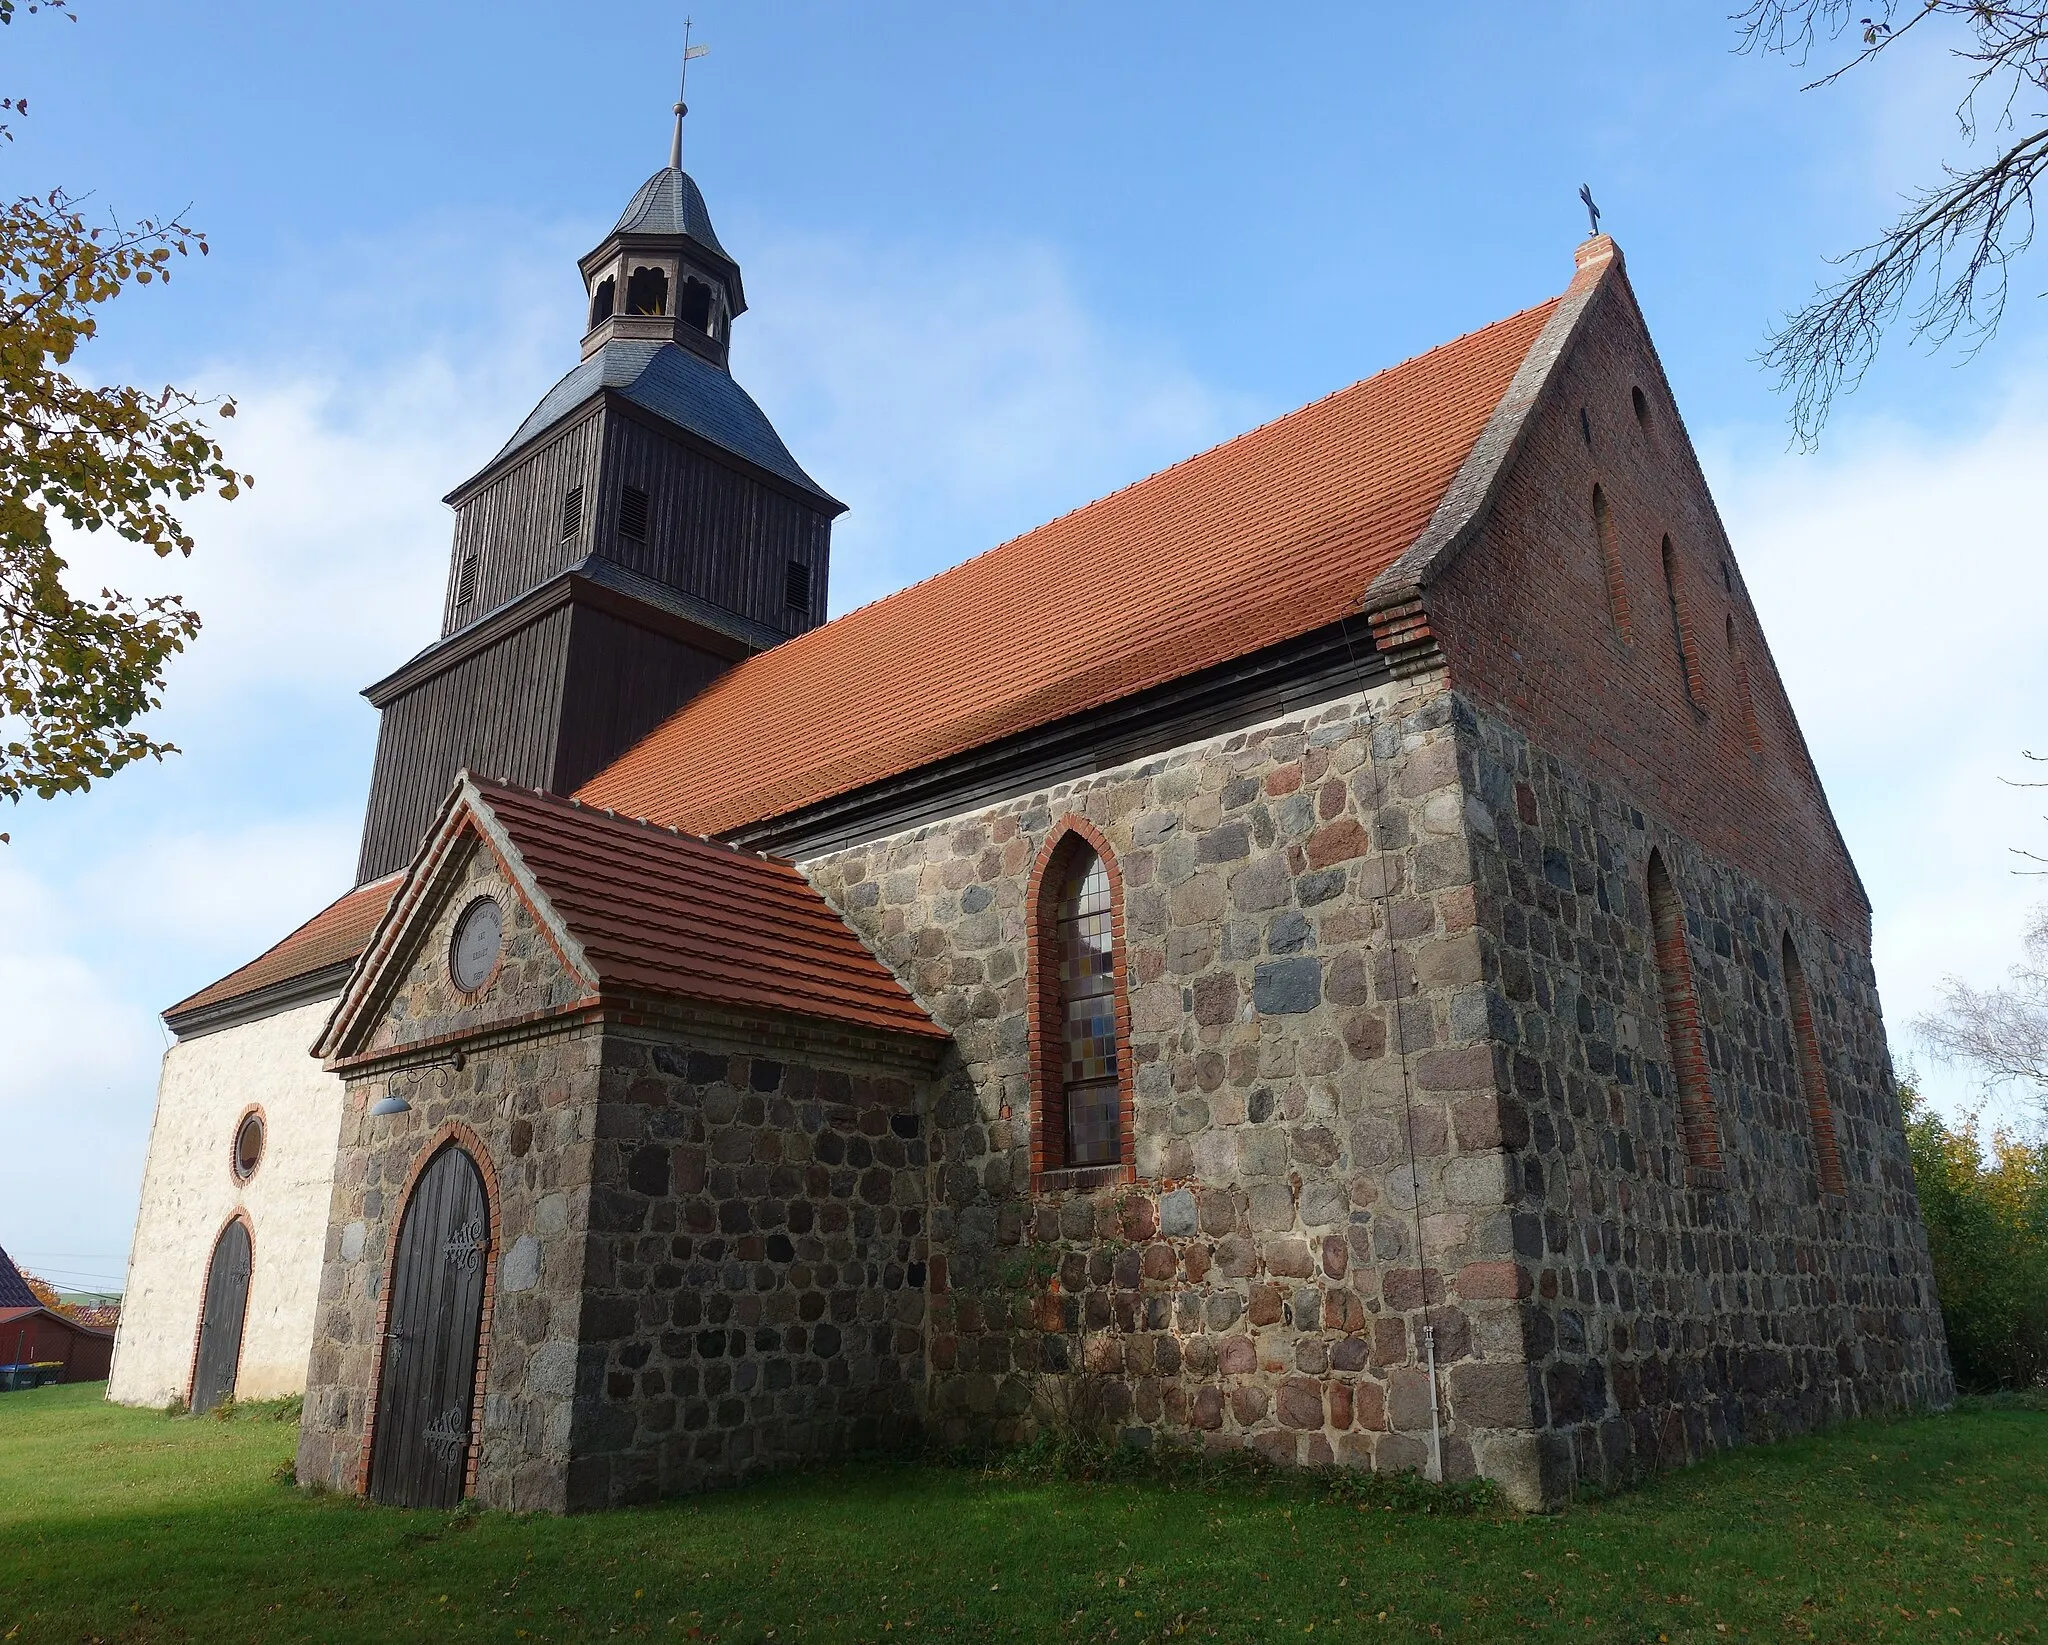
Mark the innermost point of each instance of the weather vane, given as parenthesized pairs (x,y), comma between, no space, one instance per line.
(675,147)
(1592,211)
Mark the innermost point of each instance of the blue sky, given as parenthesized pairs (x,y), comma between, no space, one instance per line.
(1001,259)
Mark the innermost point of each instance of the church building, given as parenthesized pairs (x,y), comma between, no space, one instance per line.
(1338,948)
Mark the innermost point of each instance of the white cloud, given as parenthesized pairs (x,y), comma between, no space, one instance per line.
(955,399)
(1902,575)
(324,577)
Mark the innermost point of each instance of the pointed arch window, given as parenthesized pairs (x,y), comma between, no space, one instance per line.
(1681,630)
(1680,1004)
(1610,566)
(1740,667)
(1082,1119)
(1812,1073)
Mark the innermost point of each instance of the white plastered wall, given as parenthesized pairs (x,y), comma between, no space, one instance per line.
(189,1192)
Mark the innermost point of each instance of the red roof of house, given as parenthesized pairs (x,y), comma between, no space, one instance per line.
(336,934)
(1257,541)
(9,1315)
(94,1316)
(658,912)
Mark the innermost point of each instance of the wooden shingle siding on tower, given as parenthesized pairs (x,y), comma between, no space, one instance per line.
(546,694)
(721,530)
(720,533)
(512,527)
(498,711)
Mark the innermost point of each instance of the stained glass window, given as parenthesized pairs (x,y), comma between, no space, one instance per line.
(1088,1071)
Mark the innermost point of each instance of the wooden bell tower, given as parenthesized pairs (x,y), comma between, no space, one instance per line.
(644,530)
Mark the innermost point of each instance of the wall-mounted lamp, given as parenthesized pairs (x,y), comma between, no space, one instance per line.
(392,1103)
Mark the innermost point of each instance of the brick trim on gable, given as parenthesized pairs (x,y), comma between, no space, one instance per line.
(1611,567)
(449,1134)
(1683,638)
(1396,593)
(1042,984)
(464,813)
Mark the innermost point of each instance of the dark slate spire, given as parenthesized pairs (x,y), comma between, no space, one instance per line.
(663,295)
(679,388)
(670,202)
(660,275)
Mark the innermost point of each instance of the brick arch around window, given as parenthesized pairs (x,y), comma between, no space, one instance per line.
(1680,1003)
(1071,837)
(1811,1072)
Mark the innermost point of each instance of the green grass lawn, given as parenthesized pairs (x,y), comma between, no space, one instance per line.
(125,1525)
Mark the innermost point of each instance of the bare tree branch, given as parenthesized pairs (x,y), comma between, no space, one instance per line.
(2002,1031)
(1954,242)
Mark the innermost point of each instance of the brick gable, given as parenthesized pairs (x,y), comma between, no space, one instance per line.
(1526,622)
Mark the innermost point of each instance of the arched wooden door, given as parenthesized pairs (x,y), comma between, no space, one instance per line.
(420,1447)
(220,1319)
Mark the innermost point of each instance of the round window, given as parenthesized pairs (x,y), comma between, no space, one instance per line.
(248,1145)
(479,934)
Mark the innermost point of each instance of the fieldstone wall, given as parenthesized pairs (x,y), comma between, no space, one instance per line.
(709,1232)
(1307,1014)
(1674,1311)
(527,1098)
(757,1262)
(1397,1071)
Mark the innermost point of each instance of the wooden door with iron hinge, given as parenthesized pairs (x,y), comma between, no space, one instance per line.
(427,1380)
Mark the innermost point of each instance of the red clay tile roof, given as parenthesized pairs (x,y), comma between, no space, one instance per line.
(94,1316)
(1267,537)
(338,933)
(662,913)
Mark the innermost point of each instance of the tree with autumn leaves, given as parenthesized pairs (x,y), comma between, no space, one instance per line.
(79,669)
(1985,1208)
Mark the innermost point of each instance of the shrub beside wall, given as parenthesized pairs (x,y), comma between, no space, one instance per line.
(1986,1209)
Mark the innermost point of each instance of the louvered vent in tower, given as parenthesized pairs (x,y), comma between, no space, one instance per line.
(796,588)
(572,513)
(465,581)
(633,514)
